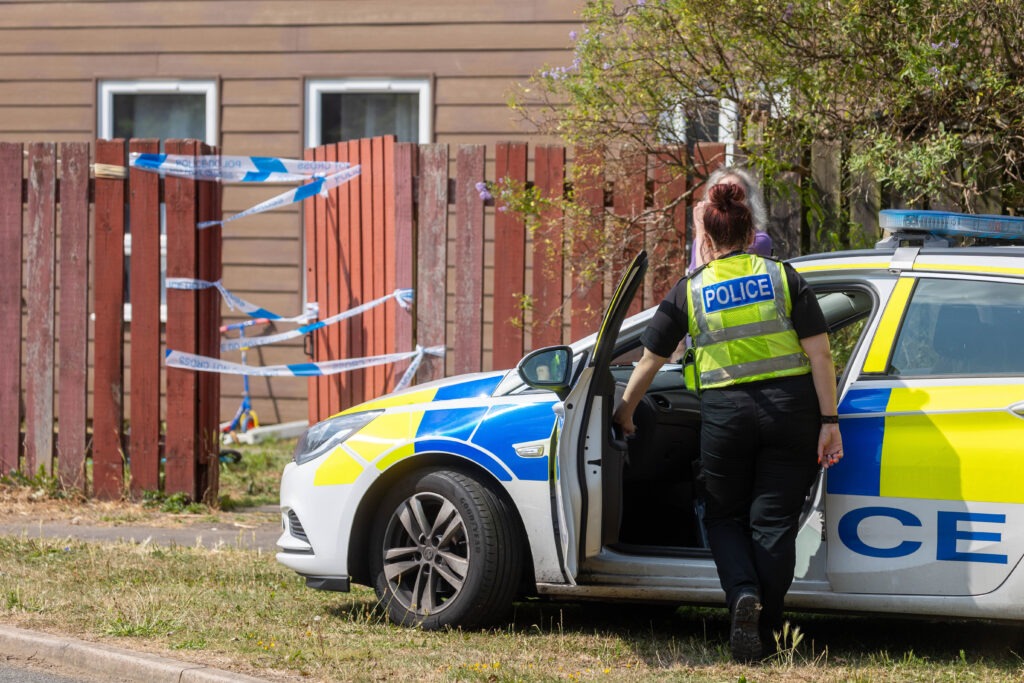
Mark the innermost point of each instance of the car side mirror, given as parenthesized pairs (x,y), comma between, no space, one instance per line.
(549,368)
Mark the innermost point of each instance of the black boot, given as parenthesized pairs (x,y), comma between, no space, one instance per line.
(744,636)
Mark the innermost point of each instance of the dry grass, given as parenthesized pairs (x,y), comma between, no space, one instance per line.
(240,610)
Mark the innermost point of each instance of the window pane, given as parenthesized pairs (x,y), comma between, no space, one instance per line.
(701,121)
(351,115)
(163,116)
(957,327)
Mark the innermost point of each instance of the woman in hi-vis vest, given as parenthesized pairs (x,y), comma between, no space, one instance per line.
(768,410)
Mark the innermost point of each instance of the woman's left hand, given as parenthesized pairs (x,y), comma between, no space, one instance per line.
(830,445)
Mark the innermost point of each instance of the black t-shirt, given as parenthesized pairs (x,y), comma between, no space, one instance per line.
(670,322)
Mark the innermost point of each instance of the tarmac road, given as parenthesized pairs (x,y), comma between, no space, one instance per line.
(262,536)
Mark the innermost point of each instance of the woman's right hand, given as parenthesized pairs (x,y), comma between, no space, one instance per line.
(623,417)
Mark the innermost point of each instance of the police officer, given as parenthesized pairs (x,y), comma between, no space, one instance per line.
(768,409)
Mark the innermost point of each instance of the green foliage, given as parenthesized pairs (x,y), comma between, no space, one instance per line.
(925,95)
(45,485)
(175,503)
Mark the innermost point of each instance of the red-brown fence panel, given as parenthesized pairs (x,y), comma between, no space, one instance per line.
(74,313)
(587,237)
(11,163)
(432,255)
(40,255)
(342,332)
(328,290)
(628,205)
(358,289)
(666,238)
(182,443)
(144,296)
(469,259)
(375,317)
(313,272)
(108,331)
(509,260)
(404,169)
(548,256)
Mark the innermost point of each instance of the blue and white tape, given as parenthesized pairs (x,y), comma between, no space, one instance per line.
(190,361)
(319,186)
(402,296)
(235,302)
(237,169)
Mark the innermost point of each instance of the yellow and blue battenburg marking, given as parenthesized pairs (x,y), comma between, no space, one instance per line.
(446,419)
(932,442)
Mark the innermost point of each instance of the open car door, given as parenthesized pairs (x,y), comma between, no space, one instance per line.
(586,433)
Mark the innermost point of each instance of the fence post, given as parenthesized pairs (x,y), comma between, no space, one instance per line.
(209,246)
(181,442)
(39,339)
(11,161)
(432,255)
(510,260)
(74,313)
(144,295)
(358,293)
(108,335)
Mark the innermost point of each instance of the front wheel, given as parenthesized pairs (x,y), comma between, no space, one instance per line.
(445,551)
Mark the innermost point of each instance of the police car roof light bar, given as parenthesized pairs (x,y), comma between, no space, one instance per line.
(948,224)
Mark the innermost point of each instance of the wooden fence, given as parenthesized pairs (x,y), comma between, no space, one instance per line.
(406,222)
(46,290)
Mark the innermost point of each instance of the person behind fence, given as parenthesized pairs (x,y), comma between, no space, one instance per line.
(762,243)
(768,410)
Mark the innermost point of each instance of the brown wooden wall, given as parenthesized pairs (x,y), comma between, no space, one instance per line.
(52,55)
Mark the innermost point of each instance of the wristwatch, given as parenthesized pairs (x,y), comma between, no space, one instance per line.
(829,419)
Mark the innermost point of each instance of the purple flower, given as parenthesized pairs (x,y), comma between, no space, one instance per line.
(788,12)
(503,208)
(572,35)
(481,186)
(485,195)
(641,3)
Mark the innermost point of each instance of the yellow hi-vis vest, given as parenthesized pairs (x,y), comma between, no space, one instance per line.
(739,310)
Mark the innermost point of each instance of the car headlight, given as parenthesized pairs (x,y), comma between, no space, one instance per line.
(324,436)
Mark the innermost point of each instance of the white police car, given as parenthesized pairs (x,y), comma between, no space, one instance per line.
(455,497)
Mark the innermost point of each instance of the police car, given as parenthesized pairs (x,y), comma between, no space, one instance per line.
(456,497)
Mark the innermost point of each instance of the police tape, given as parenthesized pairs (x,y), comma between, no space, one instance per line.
(191,361)
(238,169)
(402,296)
(237,303)
(319,186)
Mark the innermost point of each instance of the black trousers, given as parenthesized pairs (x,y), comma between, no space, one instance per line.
(759,460)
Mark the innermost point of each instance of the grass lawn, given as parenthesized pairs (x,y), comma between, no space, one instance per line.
(240,610)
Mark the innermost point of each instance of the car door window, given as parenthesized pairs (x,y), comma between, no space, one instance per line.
(846,312)
(957,327)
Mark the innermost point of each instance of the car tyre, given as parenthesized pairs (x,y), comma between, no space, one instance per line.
(445,552)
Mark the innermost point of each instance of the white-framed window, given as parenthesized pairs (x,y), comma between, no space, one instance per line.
(706,120)
(352,108)
(163,110)
(158,109)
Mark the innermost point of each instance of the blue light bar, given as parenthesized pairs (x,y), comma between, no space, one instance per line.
(952,224)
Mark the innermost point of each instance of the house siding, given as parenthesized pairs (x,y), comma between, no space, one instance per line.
(53,54)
